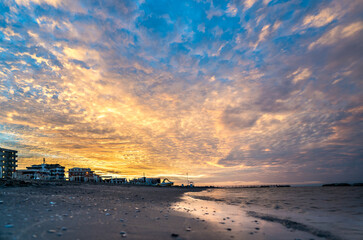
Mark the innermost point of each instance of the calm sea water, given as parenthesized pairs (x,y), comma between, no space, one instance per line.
(320,212)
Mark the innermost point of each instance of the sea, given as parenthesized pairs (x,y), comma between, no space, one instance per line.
(280,212)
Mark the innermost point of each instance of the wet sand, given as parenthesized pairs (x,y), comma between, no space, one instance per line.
(303,213)
(245,225)
(90,211)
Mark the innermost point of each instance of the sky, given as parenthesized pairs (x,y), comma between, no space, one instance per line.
(230,92)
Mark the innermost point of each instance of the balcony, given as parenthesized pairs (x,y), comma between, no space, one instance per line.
(6,165)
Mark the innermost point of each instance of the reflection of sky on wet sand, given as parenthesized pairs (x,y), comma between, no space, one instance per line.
(332,212)
(224,217)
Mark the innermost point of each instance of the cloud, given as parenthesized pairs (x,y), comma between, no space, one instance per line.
(262,36)
(300,74)
(54,3)
(324,17)
(337,34)
(236,118)
(9,33)
(231,10)
(82,54)
(234,158)
(249,3)
(276,25)
(214,12)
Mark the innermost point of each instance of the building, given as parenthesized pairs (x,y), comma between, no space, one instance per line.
(47,171)
(118,180)
(36,174)
(82,175)
(25,175)
(151,181)
(42,172)
(7,162)
(145,181)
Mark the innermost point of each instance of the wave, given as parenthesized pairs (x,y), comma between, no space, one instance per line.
(229,200)
(294,225)
(207,198)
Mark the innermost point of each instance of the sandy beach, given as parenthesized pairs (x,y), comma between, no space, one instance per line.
(102,211)
(90,211)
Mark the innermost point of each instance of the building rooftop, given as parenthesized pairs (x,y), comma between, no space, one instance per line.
(79,169)
(8,150)
(46,166)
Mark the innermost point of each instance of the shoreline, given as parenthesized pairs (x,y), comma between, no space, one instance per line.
(239,223)
(286,213)
(97,211)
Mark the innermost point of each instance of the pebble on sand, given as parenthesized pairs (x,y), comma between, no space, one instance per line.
(123,234)
(188,229)
(52,231)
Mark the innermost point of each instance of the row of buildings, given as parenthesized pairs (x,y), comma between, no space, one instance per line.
(46,171)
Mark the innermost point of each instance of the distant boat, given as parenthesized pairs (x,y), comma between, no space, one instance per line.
(165,183)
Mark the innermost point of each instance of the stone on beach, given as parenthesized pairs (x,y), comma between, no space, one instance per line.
(123,234)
